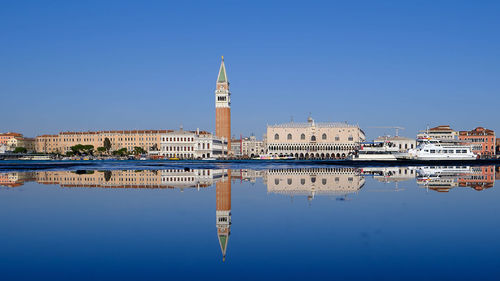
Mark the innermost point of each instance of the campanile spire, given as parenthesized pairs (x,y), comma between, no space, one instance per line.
(223,106)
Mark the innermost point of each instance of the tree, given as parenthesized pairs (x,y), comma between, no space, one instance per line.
(107,175)
(101,149)
(107,144)
(120,152)
(20,149)
(138,150)
(80,149)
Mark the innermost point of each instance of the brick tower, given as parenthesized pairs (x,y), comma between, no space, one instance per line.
(223,211)
(223,107)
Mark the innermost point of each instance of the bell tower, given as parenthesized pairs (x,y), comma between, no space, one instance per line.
(223,107)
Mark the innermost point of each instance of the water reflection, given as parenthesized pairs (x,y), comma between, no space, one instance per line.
(339,182)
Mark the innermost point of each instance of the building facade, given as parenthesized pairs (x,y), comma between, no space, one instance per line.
(192,145)
(62,142)
(5,137)
(248,147)
(223,106)
(443,132)
(483,141)
(313,140)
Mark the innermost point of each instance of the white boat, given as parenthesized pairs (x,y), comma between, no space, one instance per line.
(36,157)
(376,151)
(434,149)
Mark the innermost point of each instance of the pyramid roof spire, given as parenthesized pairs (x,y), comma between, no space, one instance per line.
(222,78)
(223,238)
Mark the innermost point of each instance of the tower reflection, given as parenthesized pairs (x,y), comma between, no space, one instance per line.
(223,212)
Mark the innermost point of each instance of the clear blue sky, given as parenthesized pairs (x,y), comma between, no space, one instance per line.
(97,65)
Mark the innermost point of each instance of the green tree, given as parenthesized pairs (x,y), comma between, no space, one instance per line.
(101,149)
(107,144)
(120,152)
(138,150)
(20,149)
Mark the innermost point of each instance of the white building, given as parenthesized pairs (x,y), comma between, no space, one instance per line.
(191,145)
(443,132)
(248,147)
(313,140)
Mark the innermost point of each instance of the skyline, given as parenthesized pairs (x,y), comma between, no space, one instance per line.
(72,67)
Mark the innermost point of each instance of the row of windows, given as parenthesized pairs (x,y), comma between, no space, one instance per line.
(178,148)
(446,151)
(177,139)
(313,138)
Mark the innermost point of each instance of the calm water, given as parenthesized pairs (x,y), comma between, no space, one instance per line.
(148,222)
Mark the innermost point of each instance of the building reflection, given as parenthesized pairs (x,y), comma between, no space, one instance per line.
(309,182)
(314,181)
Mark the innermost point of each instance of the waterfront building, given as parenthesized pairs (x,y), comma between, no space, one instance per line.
(223,106)
(314,181)
(313,140)
(483,141)
(62,142)
(12,140)
(5,137)
(401,142)
(248,147)
(223,212)
(253,147)
(443,132)
(236,147)
(184,144)
(28,143)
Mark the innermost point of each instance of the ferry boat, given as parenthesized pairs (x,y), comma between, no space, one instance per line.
(376,151)
(434,149)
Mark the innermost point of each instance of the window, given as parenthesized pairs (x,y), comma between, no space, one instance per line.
(433,151)
(302,137)
(350,138)
(289,181)
(323,137)
(337,138)
(323,181)
(302,181)
(276,181)
(276,137)
(313,138)
(289,137)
